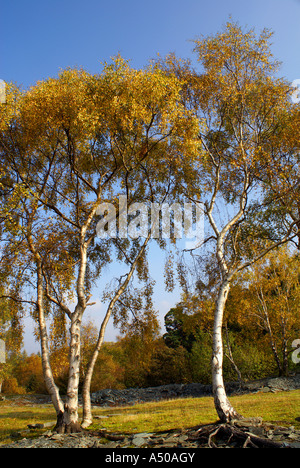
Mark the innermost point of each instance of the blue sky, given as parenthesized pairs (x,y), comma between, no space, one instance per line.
(40,37)
(37,38)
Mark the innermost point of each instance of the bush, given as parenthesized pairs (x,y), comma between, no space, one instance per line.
(11,386)
(169,366)
(200,359)
(254,363)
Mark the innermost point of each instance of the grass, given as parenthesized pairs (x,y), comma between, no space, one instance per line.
(14,420)
(278,408)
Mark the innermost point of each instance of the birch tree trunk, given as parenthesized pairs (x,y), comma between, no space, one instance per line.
(70,421)
(225,410)
(86,391)
(47,371)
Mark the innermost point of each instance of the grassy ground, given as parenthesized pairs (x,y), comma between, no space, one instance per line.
(279,408)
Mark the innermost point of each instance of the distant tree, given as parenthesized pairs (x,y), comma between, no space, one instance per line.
(29,374)
(273,286)
(175,334)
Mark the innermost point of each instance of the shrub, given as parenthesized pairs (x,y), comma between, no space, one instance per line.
(11,386)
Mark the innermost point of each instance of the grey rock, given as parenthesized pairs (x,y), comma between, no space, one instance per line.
(144,435)
(257,431)
(138,441)
(265,390)
(247,422)
(131,396)
(41,425)
(57,436)
(295,444)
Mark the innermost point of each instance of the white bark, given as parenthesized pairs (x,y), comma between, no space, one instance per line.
(47,371)
(87,410)
(225,410)
(223,407)
(70,419)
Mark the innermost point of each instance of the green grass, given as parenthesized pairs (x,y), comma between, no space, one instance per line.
(278,408)
(14,419)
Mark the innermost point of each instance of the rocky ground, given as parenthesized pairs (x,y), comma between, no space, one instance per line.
(245,433)
(131,396)
(251,433)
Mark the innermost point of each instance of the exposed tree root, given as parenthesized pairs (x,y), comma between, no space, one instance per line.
(219,435)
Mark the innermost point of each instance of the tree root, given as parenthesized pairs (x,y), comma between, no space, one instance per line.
(219,435)
(62,428)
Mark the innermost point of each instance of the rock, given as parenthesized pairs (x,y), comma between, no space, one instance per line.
(138,441)
(295,444)
(41,425)
(172,440)
(49,424)
(144,435)
(57,436)
(131,396)
(247,422)
(141,439)
(257,430)
(188,438)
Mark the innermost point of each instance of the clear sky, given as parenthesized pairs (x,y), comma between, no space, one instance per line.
(40,37)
